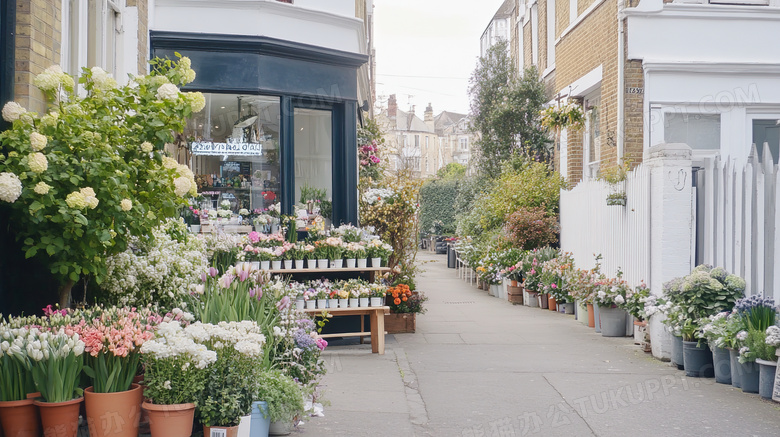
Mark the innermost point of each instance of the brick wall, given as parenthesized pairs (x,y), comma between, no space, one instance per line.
(592,43)
(38,46)
(143,34)
(633,142)
(542,5)
(562,8)
(528,45)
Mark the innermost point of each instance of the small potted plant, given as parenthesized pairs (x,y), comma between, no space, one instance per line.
(175,371)
(616,176)
(335,251)
(283,401)
(377,294)
(18,415)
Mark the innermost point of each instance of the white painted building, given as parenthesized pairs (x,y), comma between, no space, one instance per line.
(498,29)
(712,75)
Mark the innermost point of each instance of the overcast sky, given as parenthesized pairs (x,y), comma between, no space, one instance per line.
(427,49)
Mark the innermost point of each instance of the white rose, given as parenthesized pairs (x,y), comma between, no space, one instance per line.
(168,91)
(12,111)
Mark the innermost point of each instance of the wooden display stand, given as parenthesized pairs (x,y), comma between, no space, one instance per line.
(377,332)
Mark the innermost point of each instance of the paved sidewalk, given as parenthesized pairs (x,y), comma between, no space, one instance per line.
(479,366)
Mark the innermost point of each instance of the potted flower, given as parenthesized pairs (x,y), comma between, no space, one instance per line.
(343,296)
(111,365)
(322,293)
(175,371)
(755,355)
(228,392)
(57,361)
(377,294)
(404,305)
(379,252)
(322,253)
(335,249)
(706,291)
(283,401)
(266,255)
(352,252)
(310,297)
(720,330)
(18,415)
(311,256)
(635,306)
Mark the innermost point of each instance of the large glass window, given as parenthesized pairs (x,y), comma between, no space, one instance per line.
(699,131)
(313,151)
(234,146)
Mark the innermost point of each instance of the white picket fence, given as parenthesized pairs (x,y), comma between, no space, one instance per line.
(738,219)
(620,234)
(735,218)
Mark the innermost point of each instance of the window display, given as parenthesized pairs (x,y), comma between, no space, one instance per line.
(235,151)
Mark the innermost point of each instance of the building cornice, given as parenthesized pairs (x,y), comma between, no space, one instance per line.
(652,66)
(255,44)
(278,8)
(709,11)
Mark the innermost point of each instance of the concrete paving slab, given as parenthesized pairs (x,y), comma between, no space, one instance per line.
(479,366)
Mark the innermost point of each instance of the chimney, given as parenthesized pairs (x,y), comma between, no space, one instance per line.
(429,118)
(392,106)
(429,113)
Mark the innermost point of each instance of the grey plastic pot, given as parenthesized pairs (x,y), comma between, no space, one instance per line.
(766,378)
(613,322)
(736,368)
(697,359)
(566,308)
(677,352)
(597,318)
(750,377)
(721,361)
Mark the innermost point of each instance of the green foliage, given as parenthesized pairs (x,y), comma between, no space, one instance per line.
(436,205)
(93,170)
(452,170)
(530,228)
(505,110)
(757,348)
(283,395)
(523,184)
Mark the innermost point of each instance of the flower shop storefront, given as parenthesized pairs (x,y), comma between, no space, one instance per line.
(280,119)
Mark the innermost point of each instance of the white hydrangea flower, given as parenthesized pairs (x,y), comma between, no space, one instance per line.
(147,147)
(76,200)
(42,188)
(50,119)
(169,163)
(102,80)
(196,100)
(12,111)
(168,91)
(38,141)
(90,197)
(126,204)
(10,187)
(182,186)
(37,162)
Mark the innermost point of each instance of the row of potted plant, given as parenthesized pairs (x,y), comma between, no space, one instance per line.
(351,293)
(214,363)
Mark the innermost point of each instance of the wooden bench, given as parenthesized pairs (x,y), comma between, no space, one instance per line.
(377,332)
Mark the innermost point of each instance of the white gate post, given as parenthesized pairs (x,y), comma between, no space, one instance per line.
(671,226)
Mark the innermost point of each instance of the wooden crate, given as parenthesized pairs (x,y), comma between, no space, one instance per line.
(400,323)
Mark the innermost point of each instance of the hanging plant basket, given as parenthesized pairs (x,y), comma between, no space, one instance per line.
(616,199)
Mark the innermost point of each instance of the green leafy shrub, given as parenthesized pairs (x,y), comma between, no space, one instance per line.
(529,228)
(437,199)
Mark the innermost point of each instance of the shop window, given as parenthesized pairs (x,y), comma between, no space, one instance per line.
(234,145)
(313,151)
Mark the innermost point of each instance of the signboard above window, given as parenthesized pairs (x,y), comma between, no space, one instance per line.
(210,148)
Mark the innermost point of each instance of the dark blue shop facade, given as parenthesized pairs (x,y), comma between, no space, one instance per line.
(280,118)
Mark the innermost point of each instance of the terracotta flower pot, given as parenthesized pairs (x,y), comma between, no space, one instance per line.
(60,419)
(230,431)
(114,414)
(170,420)
(20,418)
(551,303)
(591,316)
(514,283)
